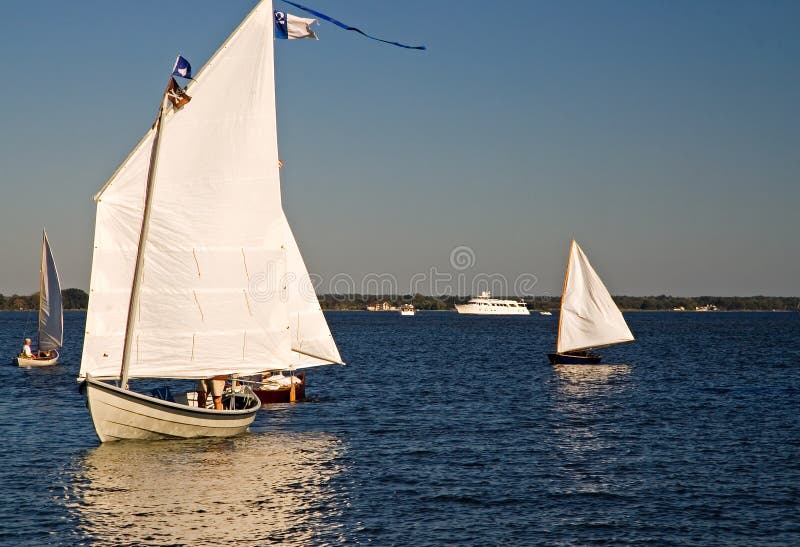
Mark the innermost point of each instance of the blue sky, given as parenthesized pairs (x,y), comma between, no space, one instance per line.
(663,136)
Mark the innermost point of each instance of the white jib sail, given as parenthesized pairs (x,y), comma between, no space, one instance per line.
(589,317)
(51,312)
(312,341)
(210,299)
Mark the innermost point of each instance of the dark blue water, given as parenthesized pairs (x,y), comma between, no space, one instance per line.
(442,430)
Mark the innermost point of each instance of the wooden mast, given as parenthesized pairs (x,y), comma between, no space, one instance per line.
(137,272)
(563,290)
(42,267)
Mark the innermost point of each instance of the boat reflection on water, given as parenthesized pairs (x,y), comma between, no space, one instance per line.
(249,490)
(584,380)
(587,404)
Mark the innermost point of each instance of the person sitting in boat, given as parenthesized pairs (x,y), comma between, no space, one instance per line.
(214,385)
(26,350)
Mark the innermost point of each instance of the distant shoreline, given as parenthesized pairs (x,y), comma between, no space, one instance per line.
(453,311)
(533,311)
(36,310)
(78,300)
(332,302)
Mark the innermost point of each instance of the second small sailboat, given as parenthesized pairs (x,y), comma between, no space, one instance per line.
(51,314)
(589,317)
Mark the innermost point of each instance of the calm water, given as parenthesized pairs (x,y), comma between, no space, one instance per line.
(442,430)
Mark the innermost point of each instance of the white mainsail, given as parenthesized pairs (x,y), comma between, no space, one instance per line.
(51,312)
(589,317)
(210,300)
(312,342)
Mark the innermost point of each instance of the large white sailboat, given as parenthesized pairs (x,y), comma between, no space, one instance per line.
(484,304)
(589,317)
(190,253)
(51,313)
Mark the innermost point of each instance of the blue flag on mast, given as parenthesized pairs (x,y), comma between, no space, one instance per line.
(348,27)
(182,68)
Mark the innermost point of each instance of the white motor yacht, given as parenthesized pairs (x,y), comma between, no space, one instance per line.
(486,305)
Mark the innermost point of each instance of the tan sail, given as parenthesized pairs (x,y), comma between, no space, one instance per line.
(589,317)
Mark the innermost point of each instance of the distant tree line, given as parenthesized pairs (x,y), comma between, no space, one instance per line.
(647,303)
(76,299)
(361,301)
(73,299)
(727,303)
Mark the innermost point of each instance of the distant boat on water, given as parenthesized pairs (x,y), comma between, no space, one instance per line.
(51,313)
(707,307)
(484,304)
(545,312)
(589,318)
(382,306)
(407,309)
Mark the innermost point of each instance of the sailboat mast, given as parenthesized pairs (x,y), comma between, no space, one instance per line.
(137,272)
(563,290)
(42,268)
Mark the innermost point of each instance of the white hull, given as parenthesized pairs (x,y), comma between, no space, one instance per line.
(475,309)
(24,362)
(409,313)
(120,414)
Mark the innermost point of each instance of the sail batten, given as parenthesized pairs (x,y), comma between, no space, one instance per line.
(216,197)
(589,317)
(317,359)
(51,313)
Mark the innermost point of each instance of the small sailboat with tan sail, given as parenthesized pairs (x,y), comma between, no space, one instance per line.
(589,318)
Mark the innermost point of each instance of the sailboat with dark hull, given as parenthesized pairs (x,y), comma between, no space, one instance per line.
(189,253)
(589,318)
